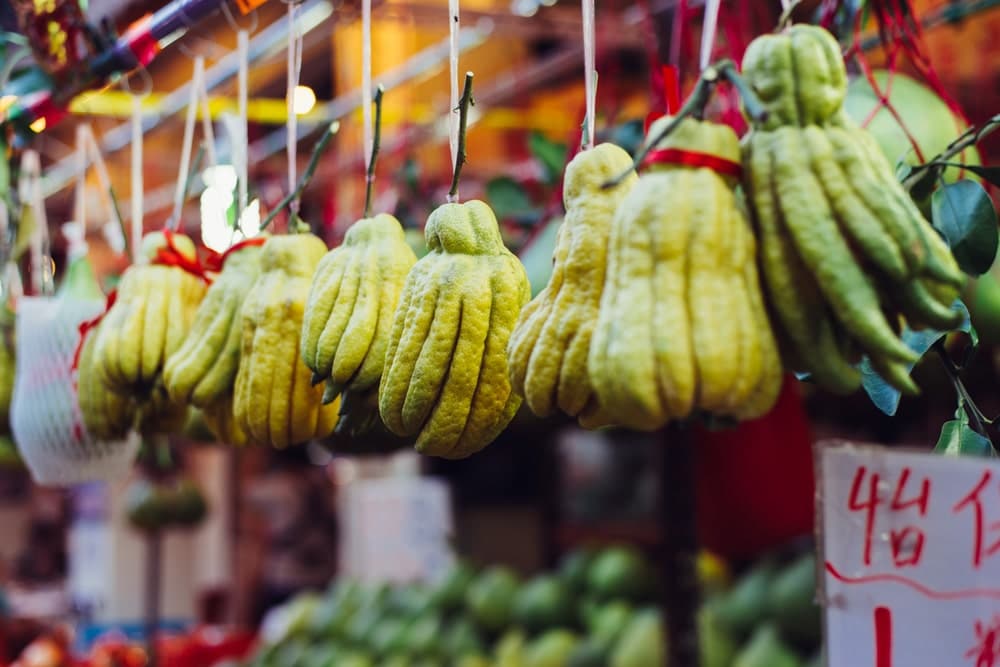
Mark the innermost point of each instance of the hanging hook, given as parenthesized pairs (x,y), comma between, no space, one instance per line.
(147,82)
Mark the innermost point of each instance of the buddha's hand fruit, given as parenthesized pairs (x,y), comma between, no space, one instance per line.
(107,415)
(446,380)
(844,251)
(222,422)
(548,349)
(150,319)
(682,325)
(204,368)
(275,401)
(348,316)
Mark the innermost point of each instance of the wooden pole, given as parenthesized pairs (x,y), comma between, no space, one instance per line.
(154,572)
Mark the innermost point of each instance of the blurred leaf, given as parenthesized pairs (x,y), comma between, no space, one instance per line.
(959,439)
(551,154)
(964,213)
(628,136)
(537,256)
(884,396)
(507,198)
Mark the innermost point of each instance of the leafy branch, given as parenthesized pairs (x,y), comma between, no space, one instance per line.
(463,122)
(921,178)
(310,171)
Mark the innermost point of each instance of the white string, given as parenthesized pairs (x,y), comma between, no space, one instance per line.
(243,143)
(708,29)
(103,179)
(294,68)
(137,186)
(31,192)
(79,198)
(785,4)
(185,166)
(366,77)
(589,70)
(206,123)
(453,27)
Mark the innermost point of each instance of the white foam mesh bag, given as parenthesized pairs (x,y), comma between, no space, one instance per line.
(45,414)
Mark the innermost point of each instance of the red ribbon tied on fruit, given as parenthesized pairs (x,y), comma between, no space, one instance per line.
(216,260)
(171,256)
(85,327)
(688,158)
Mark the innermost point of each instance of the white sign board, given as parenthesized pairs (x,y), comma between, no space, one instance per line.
(912,558)
(397,529)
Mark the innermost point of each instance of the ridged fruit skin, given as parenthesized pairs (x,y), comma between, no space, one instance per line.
(682,325)
(204,368)
(8,366)
(274,401)
(354,293)
(446,380)
(845,253)
(106,415)
(223,423)
(148,322)
(798,74)
(548,349)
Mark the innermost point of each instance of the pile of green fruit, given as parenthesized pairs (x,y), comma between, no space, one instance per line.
(768,618)
(597,610)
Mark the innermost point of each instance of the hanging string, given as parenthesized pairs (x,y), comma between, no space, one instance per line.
(185,166)
(294,70)
(453,27)
(208,131)
(79,198)
(31,192)
(243,143)
(366,76)
(708,30)
(135,237)
(589,71)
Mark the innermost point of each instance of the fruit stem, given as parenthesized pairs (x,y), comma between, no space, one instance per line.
(172,224)
(970,137)
(463,121)
(376,143)
(118,211)
(977,420)
(786,15)
(695,105)
(294,195)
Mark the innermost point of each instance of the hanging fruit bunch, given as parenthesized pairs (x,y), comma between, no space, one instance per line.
(161,497)
(682,326)
(202,371)
(275,401)
(846,255)
(549,347)
(446,377)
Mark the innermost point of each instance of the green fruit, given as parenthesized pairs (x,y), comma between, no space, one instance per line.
(187,504)
(461,638)
(545,602)
(619,572)
(147,505)
(472,661)
(553,649)
(716,646)
(574,567)
(449,593)
(321,655)
(642,644)
(490,597)
(510,648)
(590,653)
(982,297)
(791,602)
(423,637)
(744,607)
(609,622)
(362,624)
(389,637)
(395,661)
(765,649)
(926,116)
(356,659)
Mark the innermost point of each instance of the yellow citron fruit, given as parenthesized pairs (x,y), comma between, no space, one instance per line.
(204,368)
(222,422)
(354,293)
(150,319)
(275,401)
(106,414)
(548,349)
(446,380)
(682,324)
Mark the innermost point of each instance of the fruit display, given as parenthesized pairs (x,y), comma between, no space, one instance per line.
(275,401)
(846,255)
(446,379)
(680,254)
(549,346)
(348,317)
(155,306)
(595,610)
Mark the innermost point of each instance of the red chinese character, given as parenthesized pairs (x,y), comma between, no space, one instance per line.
(906,543)
(974,500)
(987,648)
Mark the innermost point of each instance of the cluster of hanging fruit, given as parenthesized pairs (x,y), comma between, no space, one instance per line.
(654,310)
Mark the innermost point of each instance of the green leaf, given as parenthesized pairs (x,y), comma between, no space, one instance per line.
(551,154)
(990,174)
(959,439)
(507,197)
(628,136)
(964,213)
(884,396)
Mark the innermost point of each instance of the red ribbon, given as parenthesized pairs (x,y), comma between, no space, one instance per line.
(141,41)
(670,78)
(215,260)
(687,158)
(171,256)
(85,327)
